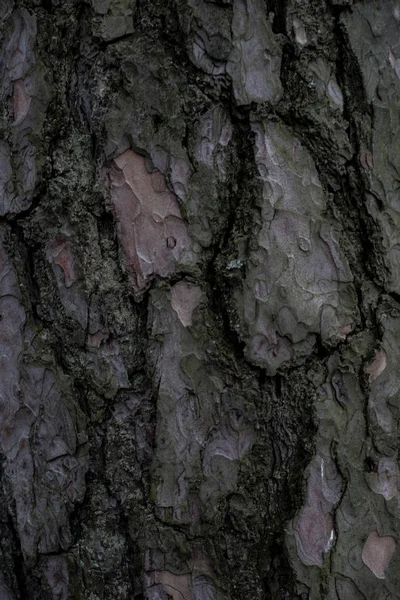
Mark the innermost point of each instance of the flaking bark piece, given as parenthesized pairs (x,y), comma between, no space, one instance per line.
(151,229)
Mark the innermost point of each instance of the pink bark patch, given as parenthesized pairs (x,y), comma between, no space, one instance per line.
(313,534)
(96,339)
(378,552)
(345,330)
(21,101)
(60,254)
(184,300)
(367,161)
(314,530)
(377,366)
(178,587)
(151,229)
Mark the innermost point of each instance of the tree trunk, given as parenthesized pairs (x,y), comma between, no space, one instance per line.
(200,299)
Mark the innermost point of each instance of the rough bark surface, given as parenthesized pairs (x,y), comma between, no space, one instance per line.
(199,299)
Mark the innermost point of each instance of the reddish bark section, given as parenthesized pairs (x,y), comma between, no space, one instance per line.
(151,229)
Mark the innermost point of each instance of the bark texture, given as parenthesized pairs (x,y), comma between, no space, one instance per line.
(199,300)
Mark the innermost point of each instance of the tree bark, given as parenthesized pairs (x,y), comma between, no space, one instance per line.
(199,299)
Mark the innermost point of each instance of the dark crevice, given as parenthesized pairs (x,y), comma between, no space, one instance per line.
(48,5)
(298,431)
(162,23)
(104,44)
(395,296)
(27,250)
(357,112)
(239,223)
(18,561)
(279,10)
